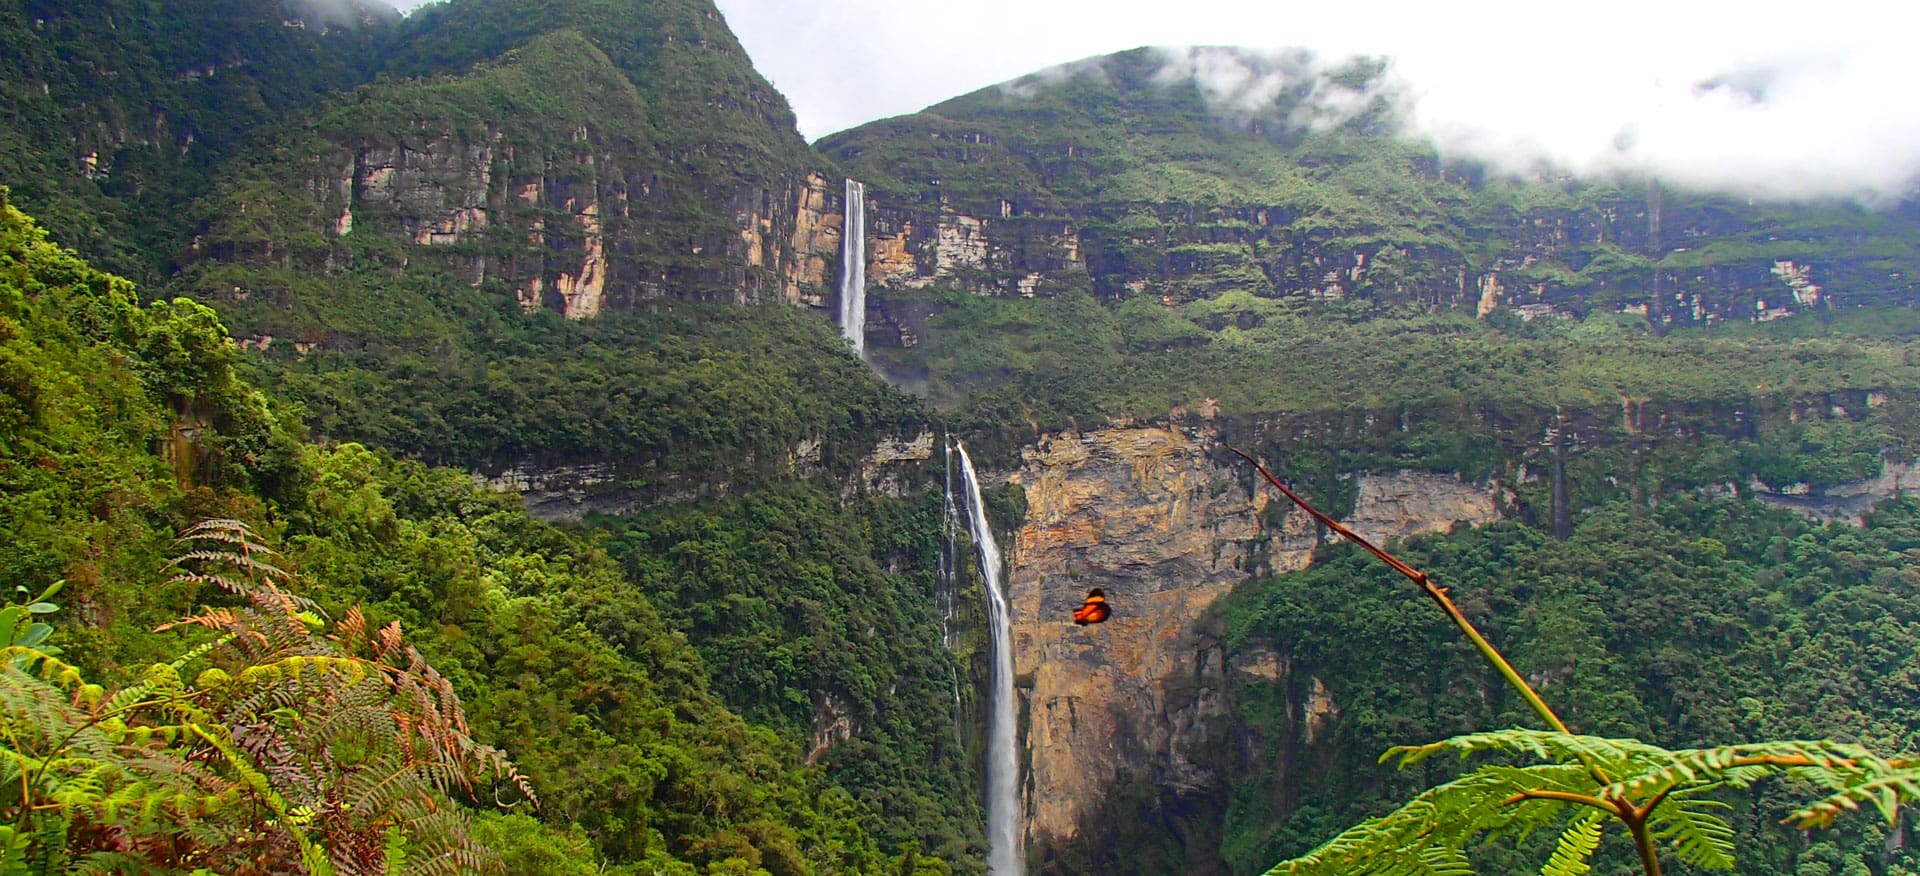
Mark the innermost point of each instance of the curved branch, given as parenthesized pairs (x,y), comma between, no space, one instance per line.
(1438,595)
(1564,797)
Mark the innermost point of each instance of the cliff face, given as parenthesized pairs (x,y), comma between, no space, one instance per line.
(914,245)
(1147,515)
(1123,176)
(568,492)
(571,234)
(579,204)
(116,111)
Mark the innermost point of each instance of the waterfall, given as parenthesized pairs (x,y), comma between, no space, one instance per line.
(950,589)
(853,269)
(1003,758)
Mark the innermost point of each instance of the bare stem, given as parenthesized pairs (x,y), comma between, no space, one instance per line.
(1436,593)
(1634,817)
(1643,841)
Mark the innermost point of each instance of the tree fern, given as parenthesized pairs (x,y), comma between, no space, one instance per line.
(1572,855)
(265,747)
(1658,795)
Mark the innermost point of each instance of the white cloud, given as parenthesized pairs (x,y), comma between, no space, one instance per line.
(1768,98)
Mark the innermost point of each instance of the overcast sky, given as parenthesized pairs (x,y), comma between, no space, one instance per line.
(1814,98)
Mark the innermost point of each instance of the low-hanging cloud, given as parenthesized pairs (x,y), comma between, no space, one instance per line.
(1796,126)
(1244,83)
(1786,121)
(346,13)
(1775,99)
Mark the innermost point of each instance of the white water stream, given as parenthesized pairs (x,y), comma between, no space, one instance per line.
(1003,756)
(853,269)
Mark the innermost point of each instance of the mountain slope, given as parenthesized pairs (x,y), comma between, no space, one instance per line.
(1187,173)
(114,113)
(124,424)
(584,155)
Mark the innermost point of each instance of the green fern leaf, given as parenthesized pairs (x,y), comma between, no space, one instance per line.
(1577,844)
(1885,791)
(1697,836)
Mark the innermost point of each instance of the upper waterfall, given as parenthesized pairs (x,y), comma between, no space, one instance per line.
(853,269)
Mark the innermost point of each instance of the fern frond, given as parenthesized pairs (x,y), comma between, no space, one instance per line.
(1616,756)
(1825,762)
(1429,832)
(42,665)
(1697,837)
(216,619)
(1885,791)
(1572,856)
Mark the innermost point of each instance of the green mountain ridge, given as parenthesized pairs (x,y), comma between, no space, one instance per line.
(115,113)
(1310,193)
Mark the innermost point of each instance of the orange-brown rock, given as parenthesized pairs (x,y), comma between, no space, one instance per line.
(816,241)
(1145,514)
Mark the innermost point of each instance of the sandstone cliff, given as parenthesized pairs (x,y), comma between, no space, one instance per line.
(1155,188)
(593,159)
(1146,514)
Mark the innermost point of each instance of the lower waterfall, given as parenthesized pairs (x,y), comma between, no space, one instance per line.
(1003,755)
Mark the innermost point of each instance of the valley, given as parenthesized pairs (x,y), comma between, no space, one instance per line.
(742,487)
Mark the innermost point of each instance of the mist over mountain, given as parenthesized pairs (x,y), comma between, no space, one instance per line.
(1646,87)
(1797,127)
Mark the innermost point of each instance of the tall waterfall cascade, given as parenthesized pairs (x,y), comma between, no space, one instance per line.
(950,587)
(853,269)
(1003,758)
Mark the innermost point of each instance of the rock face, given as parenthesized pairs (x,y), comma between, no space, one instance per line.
(1398,504)
(916,244)
(570,237)
(1842,502)
(819,215)
(633,183)
(1146,515)
(1125,176)
(566,491)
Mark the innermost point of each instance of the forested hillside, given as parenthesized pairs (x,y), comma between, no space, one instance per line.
(116,113)
(1699,623)
(128,423)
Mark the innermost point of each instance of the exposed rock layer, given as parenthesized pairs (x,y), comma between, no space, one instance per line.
(1145,514)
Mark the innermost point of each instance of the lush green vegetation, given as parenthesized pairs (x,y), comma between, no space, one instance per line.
(696,390)
(665,682)
(1448,392)
(286,750)
(1297,189)
(125,424)
(114,114)
(1697,623)
(785,595)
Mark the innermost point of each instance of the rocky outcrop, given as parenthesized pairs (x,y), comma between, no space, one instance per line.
(569,491)
(889,468)
(915,245)
(1147,515)
(818,217)
(1842,502)
(832,724)
(1398,504)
